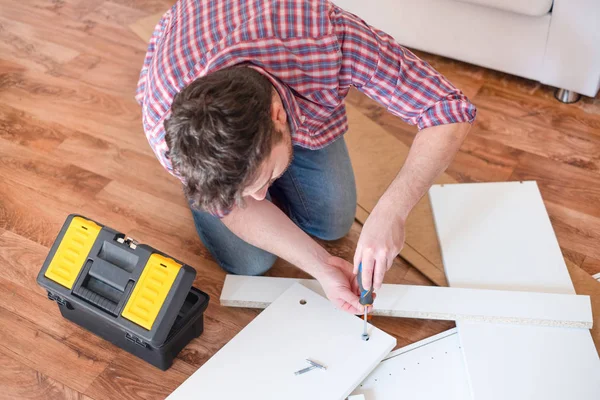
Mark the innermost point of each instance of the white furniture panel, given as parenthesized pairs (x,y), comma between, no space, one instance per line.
(259,362)
(432,302)
(430,369)
(499,236)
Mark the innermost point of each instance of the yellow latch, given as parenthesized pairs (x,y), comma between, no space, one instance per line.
(72,251)
(151,290)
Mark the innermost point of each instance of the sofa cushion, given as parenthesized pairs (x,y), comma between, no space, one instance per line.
(533,8)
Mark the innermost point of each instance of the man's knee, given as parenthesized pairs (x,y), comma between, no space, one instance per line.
(338,227)
(232,254)
(336,221)
(249,264)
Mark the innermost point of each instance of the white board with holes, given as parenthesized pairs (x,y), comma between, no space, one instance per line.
(430,369)
(260,361)
(499,236)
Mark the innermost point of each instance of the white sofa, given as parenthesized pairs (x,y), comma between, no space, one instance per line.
(553,42)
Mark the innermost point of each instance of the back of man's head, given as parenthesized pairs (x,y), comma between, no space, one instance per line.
(219,133)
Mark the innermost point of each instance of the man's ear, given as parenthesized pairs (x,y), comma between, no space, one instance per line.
(278,114)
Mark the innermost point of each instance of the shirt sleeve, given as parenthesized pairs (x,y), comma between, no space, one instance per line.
(390,74)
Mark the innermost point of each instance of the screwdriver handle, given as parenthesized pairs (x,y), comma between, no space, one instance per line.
(366,296)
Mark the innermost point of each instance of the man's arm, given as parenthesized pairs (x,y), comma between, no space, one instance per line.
(382,236)
(431,153)
(411,89)
(263,225)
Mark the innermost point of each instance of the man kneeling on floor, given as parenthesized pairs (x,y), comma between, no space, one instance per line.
(244,102)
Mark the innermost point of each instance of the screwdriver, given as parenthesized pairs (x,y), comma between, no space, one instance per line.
(366,299)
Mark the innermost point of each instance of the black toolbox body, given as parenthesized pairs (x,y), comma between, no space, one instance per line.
(104,285)
(189,325)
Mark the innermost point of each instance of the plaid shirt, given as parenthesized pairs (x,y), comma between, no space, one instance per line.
(312,52)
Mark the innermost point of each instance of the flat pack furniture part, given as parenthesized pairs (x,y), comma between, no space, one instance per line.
(498,236)
(430,369)
(432,302)
(260,361)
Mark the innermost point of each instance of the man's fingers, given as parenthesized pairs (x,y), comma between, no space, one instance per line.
(354,287)
(357,259)
(352,301)
(390,261)
(368,264)
(380,270)
(349,308)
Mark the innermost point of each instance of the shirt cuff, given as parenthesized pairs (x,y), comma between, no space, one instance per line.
(448,111)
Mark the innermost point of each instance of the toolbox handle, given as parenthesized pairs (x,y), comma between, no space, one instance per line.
(110,274)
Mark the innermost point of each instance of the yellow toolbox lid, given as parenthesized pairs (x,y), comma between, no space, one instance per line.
(151,290)
(73,251)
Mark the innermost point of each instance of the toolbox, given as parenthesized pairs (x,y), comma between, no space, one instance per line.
(130,294)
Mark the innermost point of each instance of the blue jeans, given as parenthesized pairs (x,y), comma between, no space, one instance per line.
(317,192)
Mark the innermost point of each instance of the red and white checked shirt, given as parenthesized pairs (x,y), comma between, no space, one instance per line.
(312,52)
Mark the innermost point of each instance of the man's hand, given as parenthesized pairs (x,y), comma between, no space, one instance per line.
(380,241)
(340,285)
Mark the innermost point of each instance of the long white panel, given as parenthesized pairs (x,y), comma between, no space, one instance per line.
(432,302)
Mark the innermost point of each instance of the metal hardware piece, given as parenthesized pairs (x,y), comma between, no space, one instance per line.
(313,365)
(304,370)
(316,364)
(132,243)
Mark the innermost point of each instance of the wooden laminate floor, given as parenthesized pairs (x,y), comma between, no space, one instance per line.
(71,141)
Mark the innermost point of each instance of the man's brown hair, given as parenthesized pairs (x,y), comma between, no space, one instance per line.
(219,133)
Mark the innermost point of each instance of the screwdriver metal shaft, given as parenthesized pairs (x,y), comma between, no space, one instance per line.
(366,299)
(365,335)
